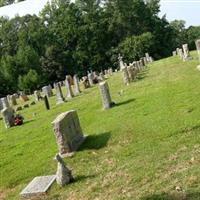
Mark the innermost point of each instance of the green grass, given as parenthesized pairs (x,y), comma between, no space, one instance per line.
(141,149)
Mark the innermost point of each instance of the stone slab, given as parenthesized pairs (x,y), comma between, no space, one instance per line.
(38,186)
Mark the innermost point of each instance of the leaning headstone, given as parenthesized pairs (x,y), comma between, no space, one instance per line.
(63,174)
(5,102)
(105,95)
(69,88)
(76,85)
(46,102)
(8,117)
(38,186)
(59,95)
(68,132)
(186,52)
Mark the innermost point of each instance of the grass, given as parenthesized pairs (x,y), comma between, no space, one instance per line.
(144,148)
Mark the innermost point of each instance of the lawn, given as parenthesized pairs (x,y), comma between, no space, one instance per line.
(147,147)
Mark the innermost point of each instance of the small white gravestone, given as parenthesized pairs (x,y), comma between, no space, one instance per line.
(8,117)
(59,95)
(38,186)
(68,132)
(76,85)
(68,86)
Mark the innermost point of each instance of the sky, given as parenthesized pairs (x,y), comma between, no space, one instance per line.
(188,10)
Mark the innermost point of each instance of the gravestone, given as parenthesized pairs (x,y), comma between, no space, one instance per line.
(121,63)
(38,186)
(68,132)
(85,82)
(37,95)
(24,97)
(186,53)
(181,54)
(69,88)
(5,103)
(63,174)
(90,79)
(13,100)
(59,95)
(76,85)
(174,53)
(8,117)
(105,95)
(101,76)
(130,72)
(47,91)
(198,48)
(147,57)
(125,76)
(46,102)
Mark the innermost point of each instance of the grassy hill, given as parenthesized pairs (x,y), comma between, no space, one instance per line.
(145,148)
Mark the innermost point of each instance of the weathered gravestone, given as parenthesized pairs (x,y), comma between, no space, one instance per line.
(125,76)
(105,95)
(121,63)
(147,57)
(59,95)
(174,53)
(38,186)
(47,91)
(130,72)
(8,117)
(46,102)
(198,48)
(63,174)
(37,95)
(68,86)
(13,100)
(76,85)
(186,52)
(85,82)
(90,79)
(5,102)
(68,132)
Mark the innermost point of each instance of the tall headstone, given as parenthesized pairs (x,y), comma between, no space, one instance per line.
(186,53)
(105,95)
(198,48)
(59,95)
(125,76)
(46,102)
(69,88)
(68,132)
(8,117)
(121,63)
(37,95)
(5,102)
(13,100)
(76,85)
(147,57)
(90,79)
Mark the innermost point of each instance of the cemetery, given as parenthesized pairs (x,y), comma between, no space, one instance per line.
(99,100)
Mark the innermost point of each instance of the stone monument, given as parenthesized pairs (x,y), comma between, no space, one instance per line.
(68,86)
(59,95)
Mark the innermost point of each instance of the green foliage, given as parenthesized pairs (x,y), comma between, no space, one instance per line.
(134,47)
(29,81)
(192,33)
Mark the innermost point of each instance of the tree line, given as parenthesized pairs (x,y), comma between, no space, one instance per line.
(73,38)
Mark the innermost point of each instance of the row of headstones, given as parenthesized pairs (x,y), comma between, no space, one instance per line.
(183,53)
(131,71)
(87,81)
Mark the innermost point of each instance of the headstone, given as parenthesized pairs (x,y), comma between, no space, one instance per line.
(8,117)
(68,132)
(63,174)
(5,102)
(69,88)
(85,82)
(101,76)
(121,63)
(125,76)
(37,95)
(181,54)
(90,79)
(130,72)
(46,102)
(24,97)
(174,53)
(59,95)
(186,53)
(105,95)
(47,91)
(147,57)
(76,85)
(38,186)
(13,100)
(198,48)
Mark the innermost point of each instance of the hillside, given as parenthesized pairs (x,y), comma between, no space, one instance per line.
(145,148)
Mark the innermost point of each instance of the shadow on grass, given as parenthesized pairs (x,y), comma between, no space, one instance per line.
(29,121)
(174,196)
(95,141)
(82,178)
(124,102)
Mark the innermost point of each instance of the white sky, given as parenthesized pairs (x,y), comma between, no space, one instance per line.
(188,10)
